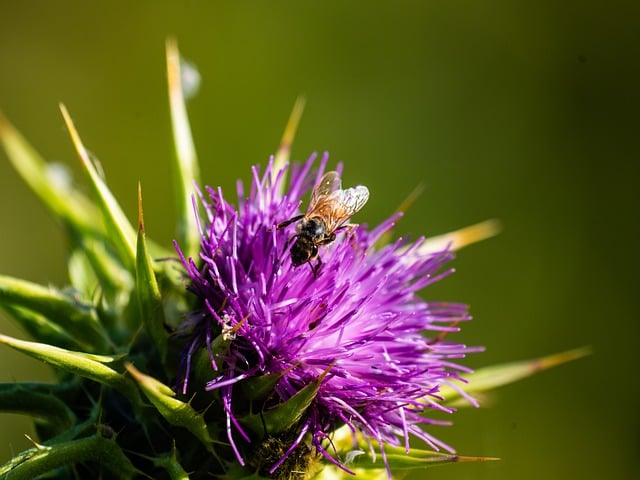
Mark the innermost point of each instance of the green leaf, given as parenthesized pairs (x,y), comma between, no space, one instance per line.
(42,329)
(120,231)
(186,166)
(93,268)
(461,238)
(398,459)
(202,367)
(33,400)
(77,363)
(357,457)
(175,411)
(73,316)
(46,458)
(78,212)
(83,429)
(286,414)
(171,465)
(490,378)
(81,273)
(71,206)
(284,151)
(259,388)
(149,297)
(235,471)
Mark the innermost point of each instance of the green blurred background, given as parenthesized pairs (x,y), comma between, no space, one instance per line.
(522,111)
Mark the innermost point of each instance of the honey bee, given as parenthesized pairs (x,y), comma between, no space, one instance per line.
(330,208)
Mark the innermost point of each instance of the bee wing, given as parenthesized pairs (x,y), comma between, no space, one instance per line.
(334,205)
(328,185)
(337,208)
(353,199)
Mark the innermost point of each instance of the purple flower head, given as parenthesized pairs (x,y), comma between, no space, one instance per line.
(355,331)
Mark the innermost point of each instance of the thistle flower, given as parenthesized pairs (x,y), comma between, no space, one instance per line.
(354,331)
(257,368)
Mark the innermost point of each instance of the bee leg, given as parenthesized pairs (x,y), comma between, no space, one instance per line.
(349,228)
(315,268)
(350,233)
(327,239)
(280,226)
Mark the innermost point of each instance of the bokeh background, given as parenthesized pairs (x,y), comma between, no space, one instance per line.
(522,111)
